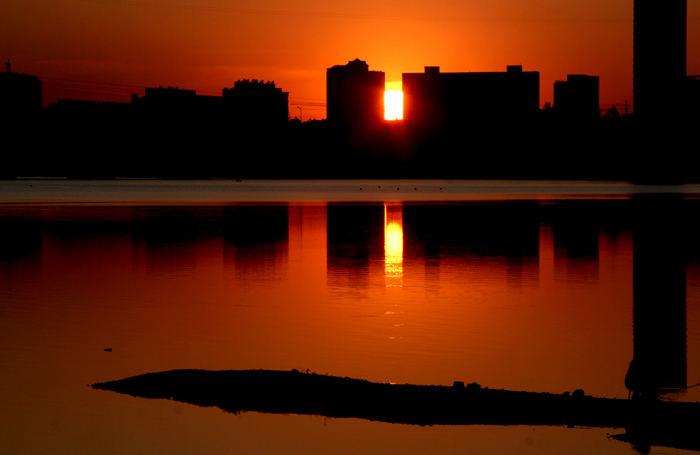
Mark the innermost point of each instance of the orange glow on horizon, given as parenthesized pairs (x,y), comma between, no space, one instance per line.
(105,51)
(393,105)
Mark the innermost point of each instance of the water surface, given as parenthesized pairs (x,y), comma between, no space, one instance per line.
(524,286)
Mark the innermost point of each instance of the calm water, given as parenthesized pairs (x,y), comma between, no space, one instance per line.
(524,286)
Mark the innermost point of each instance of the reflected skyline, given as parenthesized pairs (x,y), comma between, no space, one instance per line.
(530,285)
(659,326)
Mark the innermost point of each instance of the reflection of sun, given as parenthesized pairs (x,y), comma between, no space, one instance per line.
(393,245)
(393,105)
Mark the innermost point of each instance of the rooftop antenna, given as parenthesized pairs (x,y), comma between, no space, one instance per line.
(8,65)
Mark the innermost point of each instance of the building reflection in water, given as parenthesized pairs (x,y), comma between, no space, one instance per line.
(355,245)
(308,247)
(659,315)
(393,245)
(544,290)
(255,240)
(21,246)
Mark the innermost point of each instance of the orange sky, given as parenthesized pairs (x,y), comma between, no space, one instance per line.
(207,45)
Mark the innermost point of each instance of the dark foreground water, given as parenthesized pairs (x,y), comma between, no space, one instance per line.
(532,286)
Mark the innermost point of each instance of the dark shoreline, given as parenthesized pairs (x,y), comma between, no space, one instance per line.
(670,424)
(543,147)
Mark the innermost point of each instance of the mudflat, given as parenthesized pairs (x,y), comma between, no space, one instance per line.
(652,422)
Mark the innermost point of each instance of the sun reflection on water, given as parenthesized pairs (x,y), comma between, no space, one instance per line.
(393,245)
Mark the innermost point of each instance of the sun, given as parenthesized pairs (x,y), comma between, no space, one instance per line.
(393,105)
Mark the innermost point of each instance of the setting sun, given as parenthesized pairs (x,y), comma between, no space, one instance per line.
(393,105)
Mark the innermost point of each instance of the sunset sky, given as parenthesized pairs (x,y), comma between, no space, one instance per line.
(108,49)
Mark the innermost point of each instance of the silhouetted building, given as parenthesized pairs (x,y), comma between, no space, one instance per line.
(578,96)
(692,91)
(355,95)
(95,110)
(20,94)
(75,107)
(659,56)
(178,103)
(257,101)
(433,99)
(249,101)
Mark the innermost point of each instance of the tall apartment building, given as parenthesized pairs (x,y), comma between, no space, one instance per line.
(659,56)
(355,95)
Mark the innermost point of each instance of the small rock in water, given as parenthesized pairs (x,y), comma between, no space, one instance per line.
(108,350)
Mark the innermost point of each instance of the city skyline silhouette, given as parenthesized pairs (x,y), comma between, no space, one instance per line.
(104,50)
(451,120)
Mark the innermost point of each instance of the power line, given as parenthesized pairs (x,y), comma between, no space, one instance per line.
(103,88)
(50,86)
(77,90)
(85,82)
(55,85)
(303,98)
(110,88)
(308,104)
(219,9)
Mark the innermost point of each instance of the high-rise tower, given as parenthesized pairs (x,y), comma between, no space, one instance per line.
(659,56)
(355,95)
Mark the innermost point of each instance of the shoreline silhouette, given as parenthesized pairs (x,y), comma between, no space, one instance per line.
(651,422)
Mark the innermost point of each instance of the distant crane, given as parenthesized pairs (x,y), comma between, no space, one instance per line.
(613,112)
(306,104)
(625,105)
